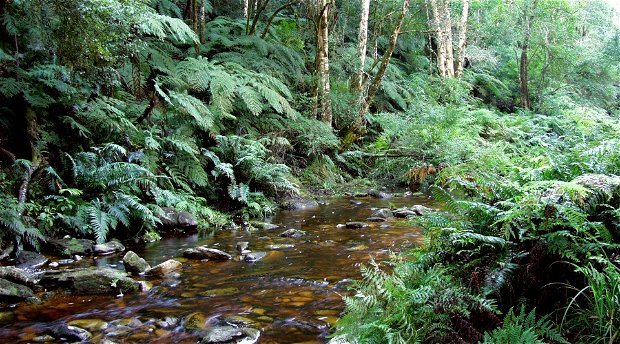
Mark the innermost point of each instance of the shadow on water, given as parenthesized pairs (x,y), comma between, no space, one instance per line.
(292,295)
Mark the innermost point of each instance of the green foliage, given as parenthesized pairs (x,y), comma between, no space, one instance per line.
(524,328)
(594,309)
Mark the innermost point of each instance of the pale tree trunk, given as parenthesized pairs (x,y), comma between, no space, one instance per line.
(246,4)
(322,62)
(447,27)
(358,79)
(442,26)
(523,63)
(462,39)
(385,60)
(438,28)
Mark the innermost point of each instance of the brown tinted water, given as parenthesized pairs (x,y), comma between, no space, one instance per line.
(292,295)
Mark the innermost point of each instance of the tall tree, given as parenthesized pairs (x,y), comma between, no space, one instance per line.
(324,111)
(528,17)
(462,39)
(358,79)
(442,26)
(358,125)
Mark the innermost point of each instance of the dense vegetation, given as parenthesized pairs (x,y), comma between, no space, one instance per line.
(113,110)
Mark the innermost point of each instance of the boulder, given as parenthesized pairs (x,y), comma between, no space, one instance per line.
(65,332)
(379,194)
(85,281)
(421,210)
(231,335)
(293,233)
(296,203)
(172,218)
(376,219)
(355,202)
(355,225)
(383,213)
(404,213)
(195,321)
(164,269)
(69,247)
(204,252)
(135,264)
(19,276)
(30,260)
(10,291)
(108,248)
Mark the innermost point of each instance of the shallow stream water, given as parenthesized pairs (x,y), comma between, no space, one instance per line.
(293,295)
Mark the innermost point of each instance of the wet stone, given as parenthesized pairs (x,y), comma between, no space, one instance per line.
(195,321)
(204,252)
(263,225)
(379,194)
(135,264)
(43,339)
(164,269)
(254,256)
(221,292)
(238,321)
(376,219)
(404,212)
(30,260)
(280,246)
(10,291)
(355,225)
(230,335)
(89,324)
(18,276)
(383,213)
(293,233)
(69,247)
(242,246)
(355,202)
(70,333)
(108,248)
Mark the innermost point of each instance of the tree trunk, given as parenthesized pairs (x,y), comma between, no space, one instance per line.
(447,29)
(523,63)
(442,26)
(273,16)
(245,8)
(385,60)
(358,79)
(462,39)
(322,62)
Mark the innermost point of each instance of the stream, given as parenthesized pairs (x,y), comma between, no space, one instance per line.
(292,295)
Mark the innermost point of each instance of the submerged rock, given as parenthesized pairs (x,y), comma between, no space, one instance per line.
(30,260)
(263,225)
(135,264)
(293,233)
(231,335)
(164,269)
(195,321)
(280,246)
(376,219)
(90,324)
(10,291)
(70,247)
(355,224)
(254,256)
(204,252)
(355,202)
(89,281)
(108,248)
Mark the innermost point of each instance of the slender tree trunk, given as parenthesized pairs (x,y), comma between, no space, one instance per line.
(358,79)
(322,62)
(274,15)
(447,27)
(245,8)
(35,160)
(462,39)
(523,63)
(201,24)
(376,81)
(438,28)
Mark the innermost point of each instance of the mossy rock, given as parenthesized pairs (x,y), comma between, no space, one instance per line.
(90,281)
